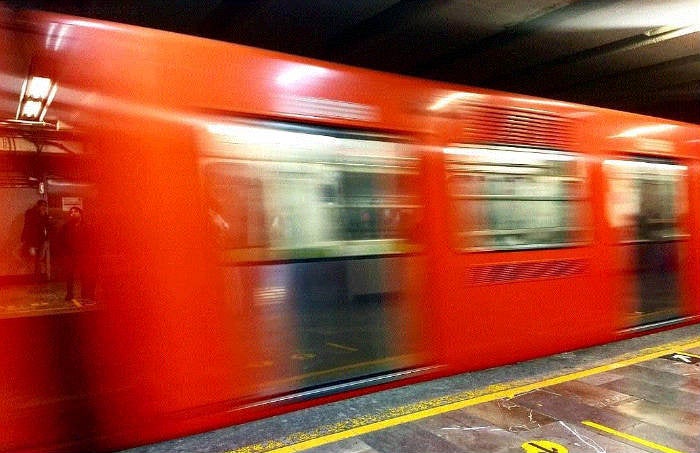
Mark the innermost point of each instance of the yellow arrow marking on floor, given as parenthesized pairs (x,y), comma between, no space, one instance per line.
(544,446)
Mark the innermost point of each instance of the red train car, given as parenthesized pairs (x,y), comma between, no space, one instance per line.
(261,232)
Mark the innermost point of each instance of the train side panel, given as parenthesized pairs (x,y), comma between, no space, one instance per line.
(521,237)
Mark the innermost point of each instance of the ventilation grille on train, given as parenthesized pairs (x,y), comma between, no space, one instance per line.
(517,126)
(513,272)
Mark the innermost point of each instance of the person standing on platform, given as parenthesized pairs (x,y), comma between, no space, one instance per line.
(35,237)
(78,243)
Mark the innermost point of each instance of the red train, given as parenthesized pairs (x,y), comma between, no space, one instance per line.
(262,232)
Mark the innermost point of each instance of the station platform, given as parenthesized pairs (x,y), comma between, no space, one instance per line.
(636,395)
(38,299)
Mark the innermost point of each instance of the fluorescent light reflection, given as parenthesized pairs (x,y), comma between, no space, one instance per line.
(301,75)
(646,130)
(243,134)
(56,35)
(637,166)
(452,98)
(508,156)
(259,143)
(262,143)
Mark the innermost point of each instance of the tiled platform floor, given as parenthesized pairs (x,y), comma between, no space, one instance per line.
(41,299)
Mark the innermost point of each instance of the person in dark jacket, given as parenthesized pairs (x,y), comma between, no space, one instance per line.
(77,245)
(35,237)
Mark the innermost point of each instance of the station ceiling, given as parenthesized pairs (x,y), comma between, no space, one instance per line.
(635,55)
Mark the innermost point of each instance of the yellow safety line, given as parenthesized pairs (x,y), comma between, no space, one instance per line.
(305,440)
(630,437)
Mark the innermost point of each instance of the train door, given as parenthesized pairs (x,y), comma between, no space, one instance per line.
(522,255)
(646,204)
(313,227)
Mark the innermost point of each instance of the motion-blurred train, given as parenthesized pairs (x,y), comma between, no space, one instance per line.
(268,232)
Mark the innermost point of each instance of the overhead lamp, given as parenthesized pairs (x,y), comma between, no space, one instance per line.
(35,98)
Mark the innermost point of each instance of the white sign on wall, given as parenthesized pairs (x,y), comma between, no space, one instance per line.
(71,202)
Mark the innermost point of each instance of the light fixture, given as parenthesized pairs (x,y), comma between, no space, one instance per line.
(35,98)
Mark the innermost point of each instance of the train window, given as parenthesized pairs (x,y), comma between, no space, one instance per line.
(509,198)
(647,200)
(236,225)
(374,205)
(301,192)
(313,226)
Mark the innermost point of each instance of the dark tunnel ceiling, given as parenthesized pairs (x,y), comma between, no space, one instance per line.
(636,55)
